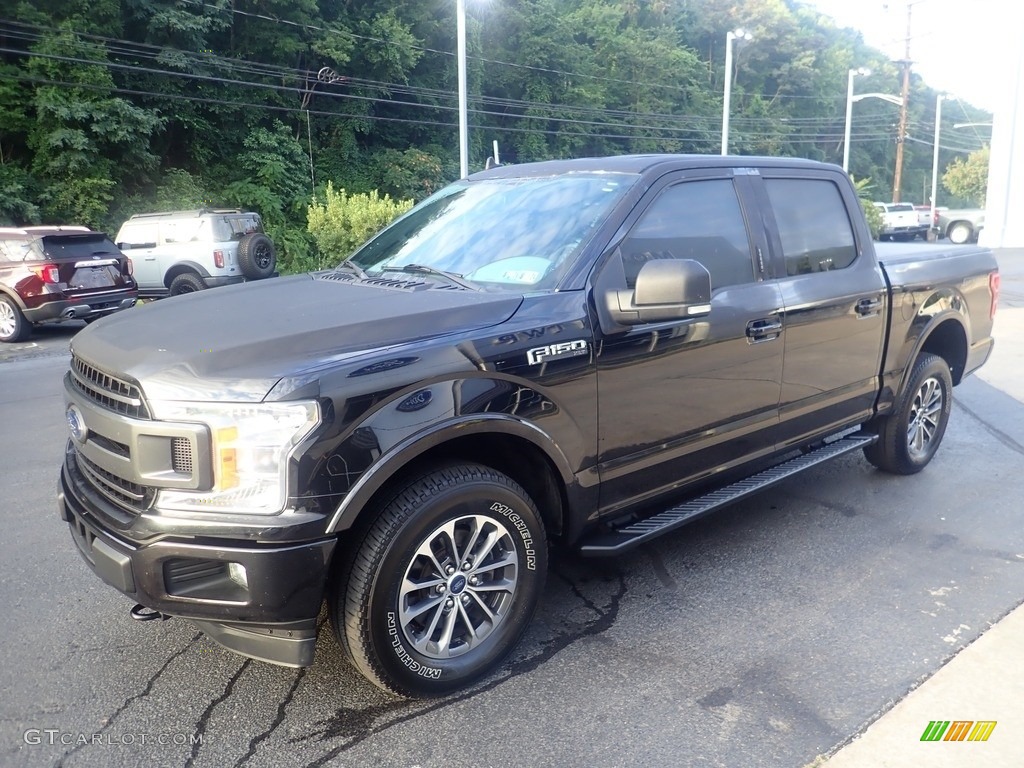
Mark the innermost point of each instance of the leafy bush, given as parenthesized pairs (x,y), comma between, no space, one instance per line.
(865,193)
(343,222)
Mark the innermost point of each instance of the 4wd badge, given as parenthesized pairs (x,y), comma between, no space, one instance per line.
(576,348)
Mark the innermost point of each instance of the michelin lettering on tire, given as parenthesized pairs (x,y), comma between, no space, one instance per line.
(431,673)
(522,528)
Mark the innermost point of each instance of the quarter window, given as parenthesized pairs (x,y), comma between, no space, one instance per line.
(699,220)
(813,225)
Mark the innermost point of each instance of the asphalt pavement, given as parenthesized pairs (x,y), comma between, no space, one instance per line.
(971,711)
(770,634)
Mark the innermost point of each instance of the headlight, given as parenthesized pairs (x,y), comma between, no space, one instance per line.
(251,445)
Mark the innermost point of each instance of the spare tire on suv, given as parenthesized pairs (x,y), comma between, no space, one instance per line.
(256,256)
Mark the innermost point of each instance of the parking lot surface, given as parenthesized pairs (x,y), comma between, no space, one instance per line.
(765,635)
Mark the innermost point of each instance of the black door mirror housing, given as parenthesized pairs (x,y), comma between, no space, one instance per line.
(666,289)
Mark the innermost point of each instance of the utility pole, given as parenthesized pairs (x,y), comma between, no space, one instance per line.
(901,135)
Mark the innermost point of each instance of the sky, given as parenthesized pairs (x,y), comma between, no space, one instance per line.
(959,46)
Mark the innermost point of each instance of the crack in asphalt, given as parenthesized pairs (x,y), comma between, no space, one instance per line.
(357,725)
(281,707)
(997,433)
(131,699)
(204,719)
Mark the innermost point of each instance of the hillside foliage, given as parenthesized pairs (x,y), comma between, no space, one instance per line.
(114,107)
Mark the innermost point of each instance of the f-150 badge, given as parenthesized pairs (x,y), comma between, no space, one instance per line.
(576,348)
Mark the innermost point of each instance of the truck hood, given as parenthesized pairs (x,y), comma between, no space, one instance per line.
(234,343)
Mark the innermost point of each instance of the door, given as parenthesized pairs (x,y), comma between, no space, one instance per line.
(681,400)
(836,304)
(139,241)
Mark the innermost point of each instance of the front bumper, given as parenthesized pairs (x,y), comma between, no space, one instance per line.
(258,600)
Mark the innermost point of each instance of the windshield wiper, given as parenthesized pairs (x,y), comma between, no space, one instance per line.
(423,269)
(360,272)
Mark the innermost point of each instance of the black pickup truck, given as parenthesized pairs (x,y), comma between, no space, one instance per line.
(589,353)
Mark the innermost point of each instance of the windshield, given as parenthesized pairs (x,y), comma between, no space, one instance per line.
(498,232)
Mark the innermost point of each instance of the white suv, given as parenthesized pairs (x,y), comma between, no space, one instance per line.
(186,251)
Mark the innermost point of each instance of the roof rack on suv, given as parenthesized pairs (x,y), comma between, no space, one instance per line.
(194,212)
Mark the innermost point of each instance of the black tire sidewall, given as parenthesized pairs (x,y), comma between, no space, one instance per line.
(957,228)
(195,282)
(21,325)
(247,247)
(933,367)
(413,673)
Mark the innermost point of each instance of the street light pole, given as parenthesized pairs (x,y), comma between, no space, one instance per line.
(935,154)
(460,12)
(849,112)
(730,37)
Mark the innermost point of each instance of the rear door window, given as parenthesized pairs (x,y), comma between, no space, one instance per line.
(815,229)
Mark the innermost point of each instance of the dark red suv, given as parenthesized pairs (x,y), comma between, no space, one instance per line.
(59,273)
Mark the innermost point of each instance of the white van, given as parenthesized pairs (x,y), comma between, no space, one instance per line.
(186,251)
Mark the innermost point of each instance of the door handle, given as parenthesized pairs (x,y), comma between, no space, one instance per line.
(764,329)
(866,307)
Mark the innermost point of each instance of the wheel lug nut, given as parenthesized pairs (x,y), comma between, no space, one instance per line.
(467,565)
(474,580)
(449,603)
(441,588)
(449,570)
(465,599)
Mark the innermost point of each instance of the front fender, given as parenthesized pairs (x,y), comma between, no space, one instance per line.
(414,445)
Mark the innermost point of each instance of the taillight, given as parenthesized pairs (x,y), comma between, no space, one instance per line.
(48,273)
(993,289)
(129,266)
(218,259)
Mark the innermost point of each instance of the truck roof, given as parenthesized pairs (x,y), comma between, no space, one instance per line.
(642,164)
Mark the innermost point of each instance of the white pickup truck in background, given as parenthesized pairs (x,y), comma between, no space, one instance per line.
(901,222)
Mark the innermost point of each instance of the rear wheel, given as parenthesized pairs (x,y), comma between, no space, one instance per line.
(909,436)
(187,282)
(960,233)
(13,325)
(443,583)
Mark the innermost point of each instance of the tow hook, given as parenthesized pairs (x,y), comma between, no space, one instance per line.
(142,613)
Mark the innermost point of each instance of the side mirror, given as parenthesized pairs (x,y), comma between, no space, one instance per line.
(666,289)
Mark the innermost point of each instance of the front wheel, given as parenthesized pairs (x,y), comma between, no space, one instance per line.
(444,582)
(909,436)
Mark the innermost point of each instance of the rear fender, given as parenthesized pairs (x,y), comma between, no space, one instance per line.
(941,321)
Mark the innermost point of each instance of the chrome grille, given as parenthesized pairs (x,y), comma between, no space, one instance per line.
(112,393)
(181,455)
(124,493)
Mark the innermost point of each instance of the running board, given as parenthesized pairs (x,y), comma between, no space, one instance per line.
(625,538)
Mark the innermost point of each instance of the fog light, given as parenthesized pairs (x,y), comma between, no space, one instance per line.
(236,572)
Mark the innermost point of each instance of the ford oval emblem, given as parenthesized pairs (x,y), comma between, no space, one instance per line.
(415,401)
(76,424)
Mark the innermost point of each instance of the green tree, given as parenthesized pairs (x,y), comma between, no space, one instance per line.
(86,142)
(969,178)
(343,222)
